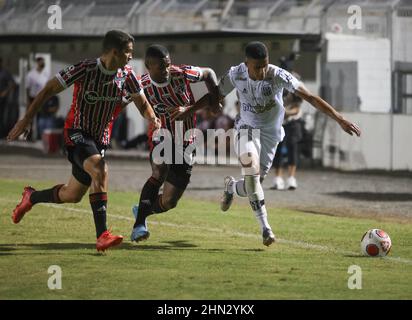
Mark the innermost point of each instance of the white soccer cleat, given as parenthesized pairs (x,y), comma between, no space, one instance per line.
(291,183)
(278,184)
(268,237)
(227,197)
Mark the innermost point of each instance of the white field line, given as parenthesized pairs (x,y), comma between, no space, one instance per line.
(295,243)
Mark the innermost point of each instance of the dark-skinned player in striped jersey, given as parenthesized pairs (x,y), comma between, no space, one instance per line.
(167,88)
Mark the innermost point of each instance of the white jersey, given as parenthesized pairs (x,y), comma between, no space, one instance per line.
(261,102)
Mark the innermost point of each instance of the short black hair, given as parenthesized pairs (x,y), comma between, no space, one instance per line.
(156,51)
(116,39)
(256,50)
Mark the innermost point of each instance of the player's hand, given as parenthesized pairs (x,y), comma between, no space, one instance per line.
(156,123)
(350,127)
(180,113)
(216,110)
(22,126)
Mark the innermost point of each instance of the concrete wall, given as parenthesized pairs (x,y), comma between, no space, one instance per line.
(377,148)
(402,35)
(374,70)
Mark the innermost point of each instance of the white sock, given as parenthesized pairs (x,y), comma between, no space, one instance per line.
(238,187)
(257,200)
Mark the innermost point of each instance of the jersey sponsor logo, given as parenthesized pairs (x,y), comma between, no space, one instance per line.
(92,97)
(258,108)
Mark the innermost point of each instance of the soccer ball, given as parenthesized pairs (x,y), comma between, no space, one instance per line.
(376,243)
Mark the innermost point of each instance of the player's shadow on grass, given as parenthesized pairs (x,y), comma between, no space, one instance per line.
(46,246)
(355,256)
(8,248)
(204,188)
(373,196)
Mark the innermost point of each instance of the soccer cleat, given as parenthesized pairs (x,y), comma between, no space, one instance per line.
(268,237)
(140,232)
(278,184)
(291,183)
(227,197)
(107,240)
(24,206)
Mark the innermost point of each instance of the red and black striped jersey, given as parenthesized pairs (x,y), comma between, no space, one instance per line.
(176,92)
(97,96)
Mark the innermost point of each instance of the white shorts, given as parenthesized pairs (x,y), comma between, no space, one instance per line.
(260,142)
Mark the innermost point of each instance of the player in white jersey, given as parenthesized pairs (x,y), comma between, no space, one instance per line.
(259,86)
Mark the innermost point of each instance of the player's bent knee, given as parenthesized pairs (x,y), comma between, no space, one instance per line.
(250,164)
(170,203)
(99,171)
(159,173)
(72,198)
(77,198)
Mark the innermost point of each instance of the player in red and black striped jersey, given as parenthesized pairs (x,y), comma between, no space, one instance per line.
(99,85)
(167,88)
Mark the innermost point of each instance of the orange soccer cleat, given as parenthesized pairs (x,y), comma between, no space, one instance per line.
(107,240)
(24,205)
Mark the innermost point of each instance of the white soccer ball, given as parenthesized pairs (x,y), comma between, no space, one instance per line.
(376,243)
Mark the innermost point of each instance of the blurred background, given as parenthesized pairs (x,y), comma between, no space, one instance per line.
(361,64)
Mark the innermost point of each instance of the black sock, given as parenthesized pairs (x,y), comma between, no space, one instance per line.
(147,198)
(98,202)
(157,206)
(48,195)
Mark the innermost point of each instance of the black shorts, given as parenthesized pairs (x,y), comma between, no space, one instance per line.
(178,173)
(79,147)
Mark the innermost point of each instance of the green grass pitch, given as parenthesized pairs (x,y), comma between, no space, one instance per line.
(195,252)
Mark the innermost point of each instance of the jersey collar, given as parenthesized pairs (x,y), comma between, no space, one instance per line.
(103,69)
(161,85)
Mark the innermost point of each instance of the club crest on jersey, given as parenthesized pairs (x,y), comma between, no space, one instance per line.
(267,90)
(120,78)
(160,108)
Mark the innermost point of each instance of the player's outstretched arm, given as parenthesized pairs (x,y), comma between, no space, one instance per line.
(145,109)
(210,79)
(52,88)
(182,113)
(325,107)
